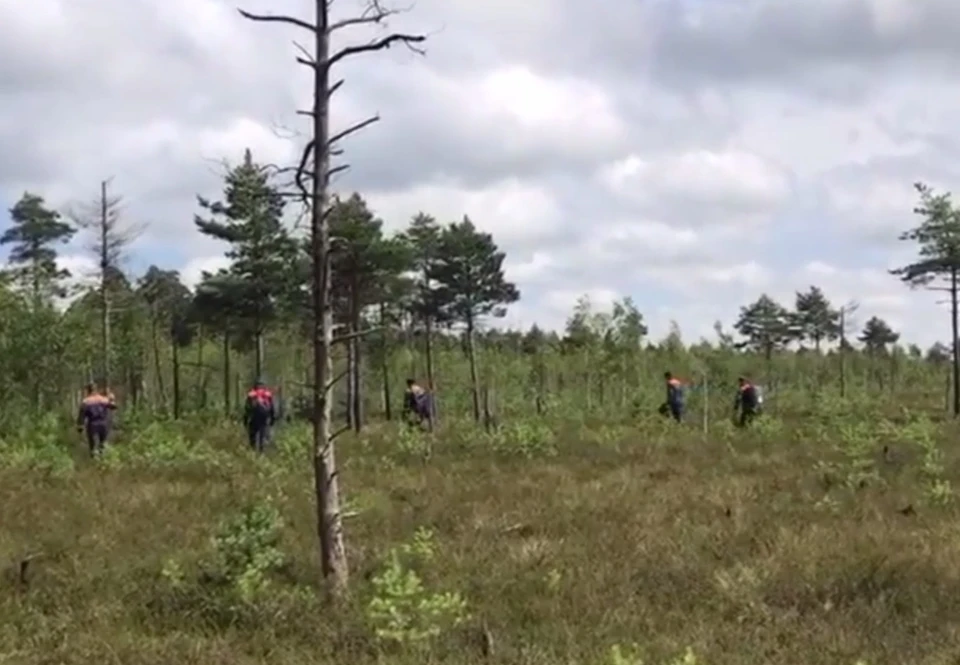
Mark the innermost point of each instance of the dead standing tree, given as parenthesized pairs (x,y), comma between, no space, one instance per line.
(312,180)
(110,240)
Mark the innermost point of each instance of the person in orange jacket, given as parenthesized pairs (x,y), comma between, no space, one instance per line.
(259,415)
(93,418)
(747,401)
(674,404)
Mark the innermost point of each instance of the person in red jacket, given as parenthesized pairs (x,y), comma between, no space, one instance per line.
(747,401)
(93,418)
(674,404)
(259,415)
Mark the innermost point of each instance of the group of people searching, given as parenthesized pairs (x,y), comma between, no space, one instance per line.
(746,404)
(95,417)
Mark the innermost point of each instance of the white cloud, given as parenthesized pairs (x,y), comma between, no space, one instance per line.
(192,272)
(726,188)
(511,210)
(732,148)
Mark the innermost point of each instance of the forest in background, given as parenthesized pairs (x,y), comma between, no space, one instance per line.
(417,304)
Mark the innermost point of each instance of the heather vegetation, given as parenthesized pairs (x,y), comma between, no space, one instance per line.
(551,516)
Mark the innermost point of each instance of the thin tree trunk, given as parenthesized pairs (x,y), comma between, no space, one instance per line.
(201,371)
(258,356)
(431,379)
(351,382)
(843,352)
(956,349)
(474,380)
(385,363)
(176,381)
(228,407)
(104,284)
(157,364)
(333,555)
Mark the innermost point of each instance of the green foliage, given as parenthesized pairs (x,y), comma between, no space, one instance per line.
(365,262)
(469,273)
(39,446)
(814,319)
(248,549)
(877,336)
(262,278)
(403,611)
(766,326)
(35,230)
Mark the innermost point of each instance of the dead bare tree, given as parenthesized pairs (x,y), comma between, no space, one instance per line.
(845,325)
(312,181)
(110,238)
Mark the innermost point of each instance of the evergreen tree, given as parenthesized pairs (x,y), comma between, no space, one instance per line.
(264,256)
(877,336)
(471,285)
(815,320)
(766,326)
(33,234)
(365,262)
(938,240)
(423,236)
(167,300)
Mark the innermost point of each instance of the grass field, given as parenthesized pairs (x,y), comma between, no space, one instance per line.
(831,538)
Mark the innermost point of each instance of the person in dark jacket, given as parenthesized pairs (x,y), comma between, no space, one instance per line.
(747,401)
(94,418)
(674,404)
(417,405)
(259,415)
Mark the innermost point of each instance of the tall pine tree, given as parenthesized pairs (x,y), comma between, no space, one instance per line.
(263,253)
(471,285)
(35,230)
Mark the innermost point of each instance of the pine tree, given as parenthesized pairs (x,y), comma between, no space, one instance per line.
(815,319)
(35,230)
(364,263)
(472,285)
(938,239)
(264,255)
(766,326)
(877,335)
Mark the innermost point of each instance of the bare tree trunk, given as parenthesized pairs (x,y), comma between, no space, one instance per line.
(474,380)
(104,285)
(157,364)
(431,379)
(385,363)
(176,381)
(351,382)
(228,407)
(333,556)
(355,395)
(258,356)
(843,352)
(956,349)
(201,371)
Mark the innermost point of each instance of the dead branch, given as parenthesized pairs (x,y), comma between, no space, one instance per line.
(302,171)
(378,45)
(336,379)
(335,170)
(340,339)
(342,430)
(279,18)
(353,128)
(311,61)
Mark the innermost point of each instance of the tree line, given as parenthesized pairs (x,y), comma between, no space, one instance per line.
(428,280)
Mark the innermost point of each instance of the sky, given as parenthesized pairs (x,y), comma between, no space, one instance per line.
(689,154)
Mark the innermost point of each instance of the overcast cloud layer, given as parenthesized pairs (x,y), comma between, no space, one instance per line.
(689,154)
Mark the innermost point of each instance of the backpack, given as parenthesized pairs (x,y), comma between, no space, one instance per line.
(261,402)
